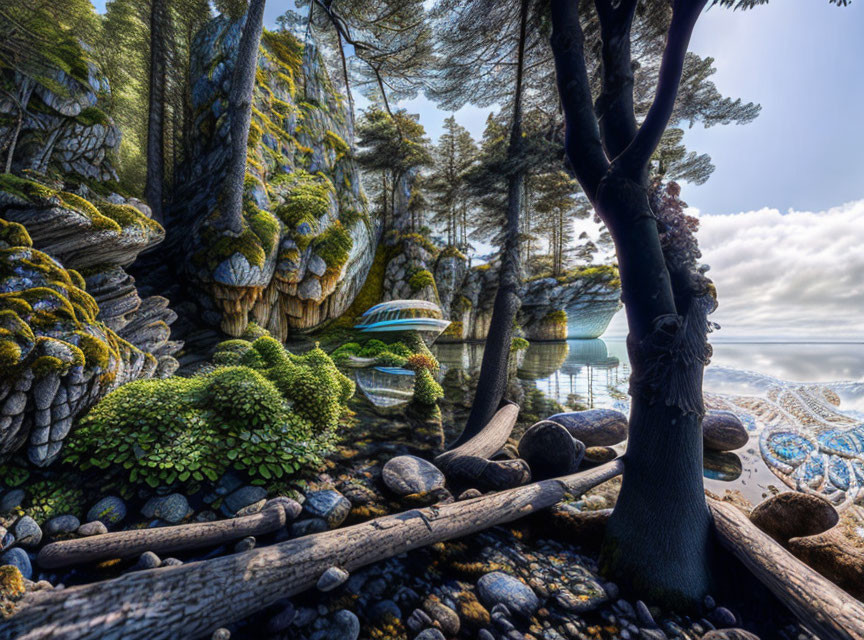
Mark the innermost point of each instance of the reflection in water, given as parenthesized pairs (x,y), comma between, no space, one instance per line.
(725,466)
(386,387)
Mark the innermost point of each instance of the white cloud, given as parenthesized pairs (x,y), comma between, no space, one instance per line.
(782,276)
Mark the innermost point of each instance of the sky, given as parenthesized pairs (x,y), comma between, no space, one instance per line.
(783,214)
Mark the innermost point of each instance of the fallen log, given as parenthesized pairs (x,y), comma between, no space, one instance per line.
(469,466)
(128,544)
(822,606)
(195,599)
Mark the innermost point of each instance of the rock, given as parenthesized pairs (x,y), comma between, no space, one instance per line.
(171,562)
(599,455)
(443,615)
(835,557)
(343,625)
(332,578)
(147,560)
(430,634)
(27,532)
(17,557)
(292,507)
(405,475)
(329,505)
(11,499)
(649,633)
(59,525)
(723,431)
(418,620)
(307,527)
(246,544)
(221,634)
(470,494)
(110,510)
(500,588)
(94,528)
(385,611)
(722,617)
(793,514)
(729,634)
(242,498)
(171,508)
(595,427)
(643,616)
(282,619)
(550,450)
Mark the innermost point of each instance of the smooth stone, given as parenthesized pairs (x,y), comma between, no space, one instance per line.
(730,634)
(722,465)
(344,625)
(280,621)
(94,528)
(722,617)
(246,544)
(595,427)
(27,532)
(243,497)
(109,510)
(444,615)
(652,634)
(171,562)
(228,483)
(499,588)
(430,634)
(292,507)
(470,494)
(61,524)
(6,538)
(643,615)
(793,514)
(17,557)
(332,578)
(723,431)
(221,634)
(308,526)
(550,450)
(250,509)
(418,620)
(385,611)
(405,475)
(329,505)
(12,499)
(171,508)
(148,560)
(600,455)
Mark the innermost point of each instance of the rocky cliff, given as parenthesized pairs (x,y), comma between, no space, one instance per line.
(308,241)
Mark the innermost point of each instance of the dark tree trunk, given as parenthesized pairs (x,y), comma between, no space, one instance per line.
(153,188)
(240,113)
(492,381)
(658,537)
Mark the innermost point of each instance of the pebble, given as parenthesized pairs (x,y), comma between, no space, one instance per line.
(221,634)
(6,538)
(722,617)
(59,525)
(643,616)
(110,510)
(385,611)
(11,499)
(147,560)
(430,634)
(499,588)
(242,498)
(27,532)
(307,527)
(405,475)
(332,578)
(17,557)
(246,544)
(418,620)
(329,505)
(171,508)
(171,562)
(651,634)
(468,494)
(344,625)
(444,615)
(723,431)
(279,622)
(93,528)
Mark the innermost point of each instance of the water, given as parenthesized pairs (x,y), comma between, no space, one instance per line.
(777,389)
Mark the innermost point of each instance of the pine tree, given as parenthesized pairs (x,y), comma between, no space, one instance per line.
(454,157)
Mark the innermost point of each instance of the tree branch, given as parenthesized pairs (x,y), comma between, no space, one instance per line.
(614,106)
(582,138)
(634,159)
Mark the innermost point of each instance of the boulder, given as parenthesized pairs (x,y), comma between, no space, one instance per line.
(550,450)
(499,588)
(27,532)
(171,508)
(405,475)
(793,514)
(595,427)
(723,431)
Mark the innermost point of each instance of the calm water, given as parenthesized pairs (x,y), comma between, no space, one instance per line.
(594,373)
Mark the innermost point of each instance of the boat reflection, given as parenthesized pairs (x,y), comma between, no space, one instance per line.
(386,387)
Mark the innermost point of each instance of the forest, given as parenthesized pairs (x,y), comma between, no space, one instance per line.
(278,322)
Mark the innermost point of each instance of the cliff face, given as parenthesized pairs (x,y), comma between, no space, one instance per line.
(308,241)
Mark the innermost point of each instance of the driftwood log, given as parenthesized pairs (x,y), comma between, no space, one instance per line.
(821,605)
(128,544)
(469,466)
(194,599)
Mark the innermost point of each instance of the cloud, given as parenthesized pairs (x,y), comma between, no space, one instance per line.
(782,276)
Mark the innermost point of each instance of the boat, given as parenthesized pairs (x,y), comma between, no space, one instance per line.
(403,316)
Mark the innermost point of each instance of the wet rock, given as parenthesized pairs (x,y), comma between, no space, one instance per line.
(147,560)
(282,619)
(59,525)
(443,615)
(332,578)
(221,634)
(171,562)
(550,450)
(499,588)
(171,508)
(27,532)
(430,634)
(308,526)
(11,499)
(17,557)
(730,634)
(599,455)
(343,625)
(329,505)
(246,544)
(793,514)
(242,498)
(722,617)
(94,528)
(723,431)
(110,510)
(595,427)
(405,475)
(722,465)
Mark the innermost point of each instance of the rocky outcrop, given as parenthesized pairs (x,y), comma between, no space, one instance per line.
(307,242)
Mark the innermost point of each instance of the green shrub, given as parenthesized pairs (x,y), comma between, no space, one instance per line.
(49,498)
(390,359)
(372,348)
(427,391)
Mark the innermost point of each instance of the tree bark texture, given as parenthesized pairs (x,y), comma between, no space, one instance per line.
(153,188)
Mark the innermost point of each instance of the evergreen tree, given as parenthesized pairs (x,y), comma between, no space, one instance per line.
(156,110)
(454,157)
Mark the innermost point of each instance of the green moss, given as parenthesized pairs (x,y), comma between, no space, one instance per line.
(452,252)
(92,116)
(453,330)
(421,279)
(426,390)
(13,234)
(335,142)
(333,246)
(49,498)
(81,205)
(126,216)
(519,344)
(307,200)
(558,316)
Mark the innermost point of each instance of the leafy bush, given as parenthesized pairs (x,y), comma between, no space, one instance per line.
(372,348)
(268,415)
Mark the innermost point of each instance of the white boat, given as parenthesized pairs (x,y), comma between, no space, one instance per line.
(400,316)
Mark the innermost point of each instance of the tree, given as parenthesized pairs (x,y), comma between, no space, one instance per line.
(658,537)
(155,122)
(559,200)
(240,115)
(454,157)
